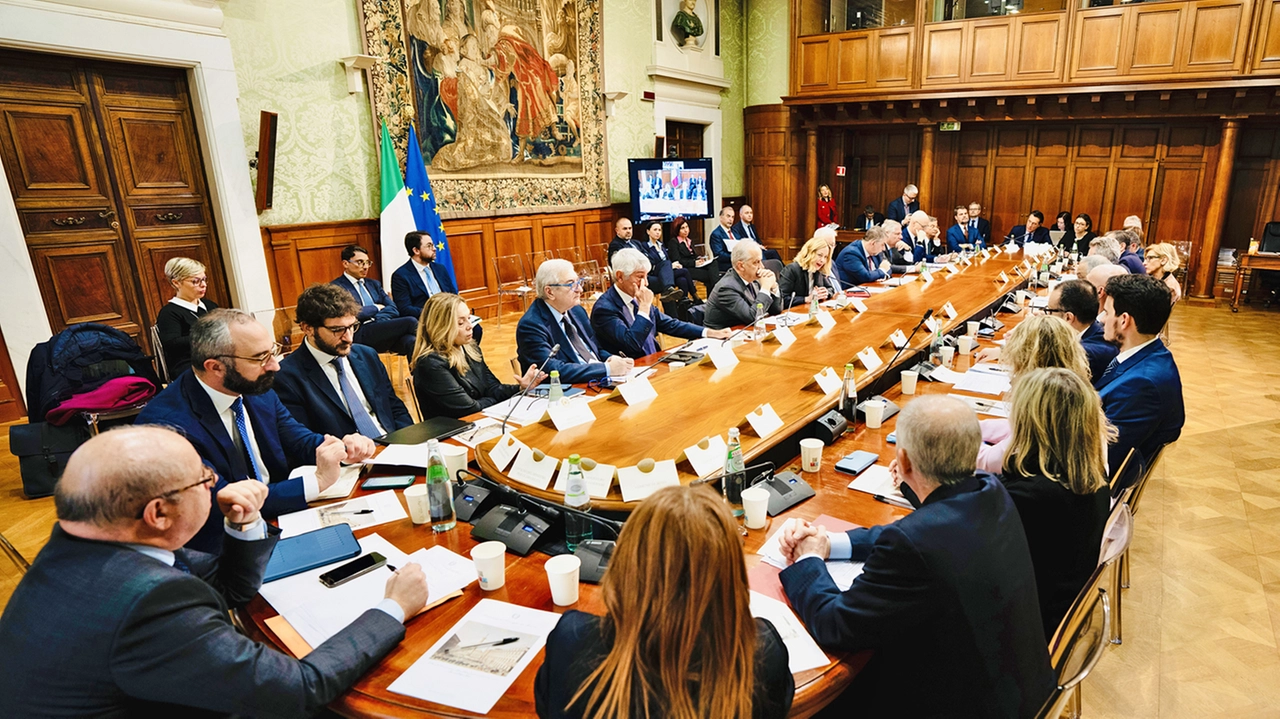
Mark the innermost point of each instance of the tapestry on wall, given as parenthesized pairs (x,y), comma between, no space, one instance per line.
(505,95)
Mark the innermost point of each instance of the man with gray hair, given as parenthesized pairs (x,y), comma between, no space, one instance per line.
(1107,246)
(746,292)
(557,320)
(1088,263)
(227,410)
(947,592)
(626,320)
(903,206)
(115,618)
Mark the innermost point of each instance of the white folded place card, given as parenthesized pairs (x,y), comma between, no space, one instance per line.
(504,451)
(899,338)
(637,391)
(932,324)
(599,478)
(826,320)
(722,357)
(870,359)
(1026,295)
(531,470)
(859,305)
(784,335)
(966,261)
(926,277)
(1004,278)
(764,421)
(828,381)
(951,267)
(636,484)
(570,413)
(708,459)
(950,310)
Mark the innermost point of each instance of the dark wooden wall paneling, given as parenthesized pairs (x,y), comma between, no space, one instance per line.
(775,176)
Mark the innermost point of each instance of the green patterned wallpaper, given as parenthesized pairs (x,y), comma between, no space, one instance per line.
(286,54)
(627,50)
(732,162)
(768,51)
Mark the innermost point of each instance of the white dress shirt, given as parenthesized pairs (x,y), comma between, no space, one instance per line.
(1120,358)
(324,359)
(195,307)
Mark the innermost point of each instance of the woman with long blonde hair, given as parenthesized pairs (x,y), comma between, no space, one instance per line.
(450,377)
(1040,341)
(677,639)
(809,274)
(1055,471)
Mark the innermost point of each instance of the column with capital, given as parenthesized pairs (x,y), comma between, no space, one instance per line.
(1216,216)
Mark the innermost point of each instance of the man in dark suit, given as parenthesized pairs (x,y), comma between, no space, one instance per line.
(962,233)
(870,218)
(734,298)
(382,327)
(979,224)
(556,318)
(856,264)
(115,619)
(420,277)
(1076,301)
(626,320)
(622,237)
(900,208)
(226,409)
(1131,244)
(1033,231)
(745,229)
(722,239)
(947,592)
(1141,389)
(330,384)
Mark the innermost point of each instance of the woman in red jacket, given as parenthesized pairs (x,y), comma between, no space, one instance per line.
(826,207)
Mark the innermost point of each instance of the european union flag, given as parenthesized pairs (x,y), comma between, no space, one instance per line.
(423,202)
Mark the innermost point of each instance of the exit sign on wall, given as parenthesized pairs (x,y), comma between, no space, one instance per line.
(949,126)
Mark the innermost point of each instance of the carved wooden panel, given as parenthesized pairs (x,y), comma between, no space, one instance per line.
(853,55)
(1266,54)
(1095,142)
(1007,208)
(513,239)
(85,283)
(1012,141)
(943,53)
(46,149)
(1088,191)
(1052,141)
(152,156)
(155,253)
(1038,46)
(1187,141)
(168,216)
(893,57)
(19,75)
(466,247)
(1174,210)
(1096,42)
(559,235)
(990,44)
(1132,194)
(1213,37)
(1152,43)
(815,60)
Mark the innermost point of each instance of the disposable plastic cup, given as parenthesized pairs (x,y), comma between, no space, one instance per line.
(874,409)
(491,564)
(811,454)
(415,496)
(909,379)
(562,575)
(755,504)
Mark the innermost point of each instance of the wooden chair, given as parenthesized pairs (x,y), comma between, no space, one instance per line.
(513,279)
(1115,547)
(1078,645)
(413,397)
(162,365)
(14,555)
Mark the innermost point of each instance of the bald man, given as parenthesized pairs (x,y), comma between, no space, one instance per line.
(115,619)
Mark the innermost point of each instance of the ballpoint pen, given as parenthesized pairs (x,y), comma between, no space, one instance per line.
(351,511)
(498,643)
(893,501)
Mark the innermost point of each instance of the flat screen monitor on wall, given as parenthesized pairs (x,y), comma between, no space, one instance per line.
(663,189)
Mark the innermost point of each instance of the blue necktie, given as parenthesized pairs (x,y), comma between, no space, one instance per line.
(242,429)
(1109,370)
(180,564)
(429,278)
(364,294)
(649,347)
(364,423)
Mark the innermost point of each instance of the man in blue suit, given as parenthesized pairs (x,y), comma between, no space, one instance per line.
(1033,231)
(226,409)
(902,207)
(1131,247)
(382,327)
(116,619)
(979,227)
(745,229)
(856,264)
(962,233)
(626,320)
(1076,301)
(557,318)
(330,384)
(722,239)
(420,277)
(1141,389)
(947,592)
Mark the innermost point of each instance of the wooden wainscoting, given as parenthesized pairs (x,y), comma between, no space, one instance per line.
(301,255)
(775,151)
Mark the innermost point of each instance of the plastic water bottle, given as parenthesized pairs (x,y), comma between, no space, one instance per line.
(813,305)
(935,348)
(735,473)
(556,393)
(759,331)
(577,529)
(439,490)
(849,396)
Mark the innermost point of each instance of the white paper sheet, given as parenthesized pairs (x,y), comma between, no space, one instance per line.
(486,429)
(402,455)
(803,650)
(341,489)
(945,375)
(475,678)
(876,480)
(528,409)
(992,407)
(983,383)
(386,508)
(698,345)
(569,413)
(842,571)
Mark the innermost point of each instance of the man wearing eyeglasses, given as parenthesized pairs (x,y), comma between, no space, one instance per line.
(331,384)
(382,327)
(225,407)
(557,318)
(115,618)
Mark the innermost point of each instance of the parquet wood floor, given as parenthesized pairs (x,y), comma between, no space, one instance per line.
(1202,619)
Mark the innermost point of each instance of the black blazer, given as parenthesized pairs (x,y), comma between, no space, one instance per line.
(795,278)
(1064,533)
(898,211)
(861,222)
(174,323)
(947,592)
(1071,244)
(309,396)
(733,302)
(98,629)
(687,256)
(580,641)
(443,392)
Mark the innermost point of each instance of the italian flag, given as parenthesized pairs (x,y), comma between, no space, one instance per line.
(397,217)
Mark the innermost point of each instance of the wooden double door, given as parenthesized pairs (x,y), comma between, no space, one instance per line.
(107,177)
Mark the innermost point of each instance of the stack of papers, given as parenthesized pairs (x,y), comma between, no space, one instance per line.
(486,428)
(360,512)
(945,375)
(876,480)
(346,484)
(984,379)
(803,652)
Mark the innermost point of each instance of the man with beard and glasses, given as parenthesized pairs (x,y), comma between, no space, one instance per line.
(226,409)
(332,385)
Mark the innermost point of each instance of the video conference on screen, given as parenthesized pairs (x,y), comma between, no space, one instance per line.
(673,190)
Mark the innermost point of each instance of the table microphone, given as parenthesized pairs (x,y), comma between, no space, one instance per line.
(524,392)
(927,314)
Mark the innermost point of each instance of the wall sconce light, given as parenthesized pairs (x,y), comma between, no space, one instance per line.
(609,99)
(353,65)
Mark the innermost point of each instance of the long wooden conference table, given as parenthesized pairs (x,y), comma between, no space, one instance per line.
(694,402)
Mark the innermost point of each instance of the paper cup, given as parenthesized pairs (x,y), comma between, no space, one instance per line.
(909,378)
(562,575)
(675,365)
(948,355)
(491,564)
(755,504)
(419,506)
(811,454)
(972,328)
(874,409)
(455,458)
(966,345)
